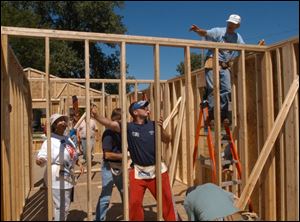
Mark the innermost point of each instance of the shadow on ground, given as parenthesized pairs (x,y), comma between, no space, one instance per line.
(76,215)
(115,213)
(35,208)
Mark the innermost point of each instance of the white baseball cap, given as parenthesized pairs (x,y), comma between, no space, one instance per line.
(56,116)
(236,19)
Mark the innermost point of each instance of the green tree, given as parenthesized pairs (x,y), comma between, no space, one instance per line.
(196,63)
(67,57)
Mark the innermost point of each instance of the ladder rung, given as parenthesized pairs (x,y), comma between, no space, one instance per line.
(207,161)
(230,183)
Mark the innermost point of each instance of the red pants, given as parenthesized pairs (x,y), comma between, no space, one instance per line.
(136,195)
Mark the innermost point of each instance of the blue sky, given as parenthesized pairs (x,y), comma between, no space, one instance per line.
(273,21)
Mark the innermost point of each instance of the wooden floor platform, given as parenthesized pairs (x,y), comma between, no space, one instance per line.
(36,204)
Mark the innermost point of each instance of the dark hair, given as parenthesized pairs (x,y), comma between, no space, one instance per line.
(131,109)
(190,189)
(116,114)
(53,127)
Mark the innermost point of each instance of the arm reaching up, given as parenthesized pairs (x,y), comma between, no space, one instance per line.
(113,125)
(196,29)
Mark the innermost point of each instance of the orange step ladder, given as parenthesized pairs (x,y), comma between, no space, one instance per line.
(203,115)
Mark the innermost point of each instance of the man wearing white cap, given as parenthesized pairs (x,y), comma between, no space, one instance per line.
(228,35)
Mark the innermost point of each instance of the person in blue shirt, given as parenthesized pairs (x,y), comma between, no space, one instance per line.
(111,167)
(141,146)
(209,202)
(226,35)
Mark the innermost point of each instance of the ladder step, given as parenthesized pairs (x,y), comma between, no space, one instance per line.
(230,183)
(206,161)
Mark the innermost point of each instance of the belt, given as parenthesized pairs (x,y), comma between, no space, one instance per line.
(85,138)
(224,65)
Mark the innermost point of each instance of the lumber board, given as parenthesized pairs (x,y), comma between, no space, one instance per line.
(88,129)
(176,142)
(190,135)
(5,123)
(48,112)
(158,152)
(242,113)
(172,114)
(117,38)
(269,181)
(182,161)
(217,109)
(280,138)
(80,120)
(124,132)
(166,109)
(268,145)
(291,150)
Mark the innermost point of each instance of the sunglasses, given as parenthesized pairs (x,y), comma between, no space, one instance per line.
(143,107)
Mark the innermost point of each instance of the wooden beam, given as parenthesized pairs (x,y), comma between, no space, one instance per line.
(283,43)
(269,181)
(281,139)
(80,120)
(124,132)
(166,111)
(136,91)
(173,123)
(103,104)
(80,80)
(190,135)
(234,128)
(172,114)
(267,148)
(117,38)
(48,112)
(182,166)
(157,133)
(88,129)
(5,124)
(176,142)
(291,138)
(62,89)
(294,62)
(216,79)
(259,129)
(242,113)
(151,101)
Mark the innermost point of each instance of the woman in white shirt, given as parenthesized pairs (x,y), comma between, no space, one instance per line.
(63,159)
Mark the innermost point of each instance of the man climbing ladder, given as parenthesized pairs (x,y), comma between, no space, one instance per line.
(226,35)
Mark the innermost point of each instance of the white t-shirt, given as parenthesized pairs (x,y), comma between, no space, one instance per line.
(82,128)
(63,158)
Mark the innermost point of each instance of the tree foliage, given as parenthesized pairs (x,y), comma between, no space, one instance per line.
(67,57)
(196,63)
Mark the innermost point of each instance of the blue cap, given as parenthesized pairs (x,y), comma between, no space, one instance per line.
(140,104)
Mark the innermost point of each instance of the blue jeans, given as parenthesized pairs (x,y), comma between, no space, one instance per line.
(108,180)
(84,150)
(225,90)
